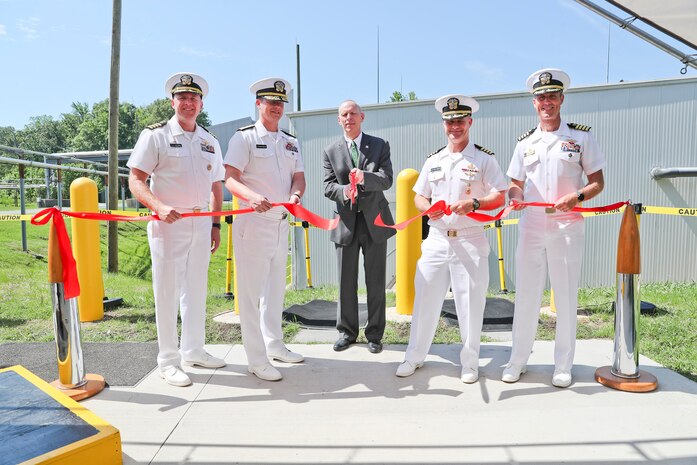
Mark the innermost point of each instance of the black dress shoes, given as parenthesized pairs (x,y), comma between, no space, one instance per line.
(374,347)
(342,344)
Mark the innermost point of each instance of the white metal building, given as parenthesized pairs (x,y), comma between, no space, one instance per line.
(640,126)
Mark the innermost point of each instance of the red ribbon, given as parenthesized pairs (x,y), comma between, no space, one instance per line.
(71,285)
(70,280)
(441,206)
(353,188)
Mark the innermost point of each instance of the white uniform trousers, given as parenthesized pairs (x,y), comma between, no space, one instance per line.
(546,243)
(261,255)
(181,253)
(461,263)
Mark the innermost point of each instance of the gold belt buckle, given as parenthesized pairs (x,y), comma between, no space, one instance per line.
(452,233)
(550,210)
(197,210)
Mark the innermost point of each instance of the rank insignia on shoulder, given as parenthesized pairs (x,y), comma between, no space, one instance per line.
(175,145)
(207,131)
(436,151)
(288,134)
(246,128)
(485,150)
(157,125)
(526,134)
(261,146)
(579,127)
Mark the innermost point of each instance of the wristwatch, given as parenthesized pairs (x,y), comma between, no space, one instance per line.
(216,225)
(580,196)
(475,204)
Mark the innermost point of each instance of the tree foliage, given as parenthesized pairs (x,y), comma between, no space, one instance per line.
(398,96)
(84,128)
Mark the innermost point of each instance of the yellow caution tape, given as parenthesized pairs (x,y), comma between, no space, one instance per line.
(15,217)
(124,213)
(669,211)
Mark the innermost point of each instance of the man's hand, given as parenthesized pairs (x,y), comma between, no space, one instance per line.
(462,207)
(567,202)
(358,175)
(294,198)
(168,214)
(259,203)
(516,204)
(215,239)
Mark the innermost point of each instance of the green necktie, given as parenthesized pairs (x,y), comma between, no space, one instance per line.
(354,153)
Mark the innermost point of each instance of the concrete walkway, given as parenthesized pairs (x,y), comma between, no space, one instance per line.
(349,407)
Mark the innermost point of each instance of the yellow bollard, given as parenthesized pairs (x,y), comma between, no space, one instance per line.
(499,241)
(228,260)
(552,306)
(235,206)
(86,248)
(408,241)
(308,268)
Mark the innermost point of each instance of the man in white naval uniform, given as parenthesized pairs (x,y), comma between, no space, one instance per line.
(184,163)
(455,253)
(548,166)
(263,165)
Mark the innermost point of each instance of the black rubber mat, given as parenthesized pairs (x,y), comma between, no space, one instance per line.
(320,313)
(121,364)
(498,314)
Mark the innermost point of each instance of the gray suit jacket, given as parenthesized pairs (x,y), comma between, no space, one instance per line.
(376,164)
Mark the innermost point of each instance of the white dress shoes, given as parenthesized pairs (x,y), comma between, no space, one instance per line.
(207,361)
(175,376)
(512,373)
(469,375)
(561,379)
(266,372)
(407,368)
(286,356)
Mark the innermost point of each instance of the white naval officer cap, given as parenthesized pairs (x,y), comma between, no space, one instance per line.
(548,80)
(186,82)
(455,106)
(271,89)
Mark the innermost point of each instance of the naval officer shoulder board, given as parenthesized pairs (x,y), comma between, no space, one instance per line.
(245,128)
(526,134)
(288,134)
(485,150)
(157,125)
(436,151)
(579,127)
(207,131)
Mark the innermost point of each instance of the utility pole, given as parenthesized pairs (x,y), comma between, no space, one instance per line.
(112,201)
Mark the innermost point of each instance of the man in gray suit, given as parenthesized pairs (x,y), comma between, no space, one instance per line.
(367,159)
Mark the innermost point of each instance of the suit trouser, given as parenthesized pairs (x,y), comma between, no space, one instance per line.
(261,254)
(374,267)
(180,253)
(461,263)
(546,243)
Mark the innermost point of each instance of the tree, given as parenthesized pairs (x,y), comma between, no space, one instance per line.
(161,110)
(397,96)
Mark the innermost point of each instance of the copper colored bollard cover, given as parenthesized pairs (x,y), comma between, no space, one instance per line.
(628,245)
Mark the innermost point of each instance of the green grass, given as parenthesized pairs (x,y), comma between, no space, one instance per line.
(668,336)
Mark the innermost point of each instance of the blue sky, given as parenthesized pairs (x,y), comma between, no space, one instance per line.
(55,52)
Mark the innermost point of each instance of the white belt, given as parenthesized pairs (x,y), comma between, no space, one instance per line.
(464,232)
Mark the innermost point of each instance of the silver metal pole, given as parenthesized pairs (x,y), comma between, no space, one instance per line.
(625,363)
(66,324)
(22,207)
